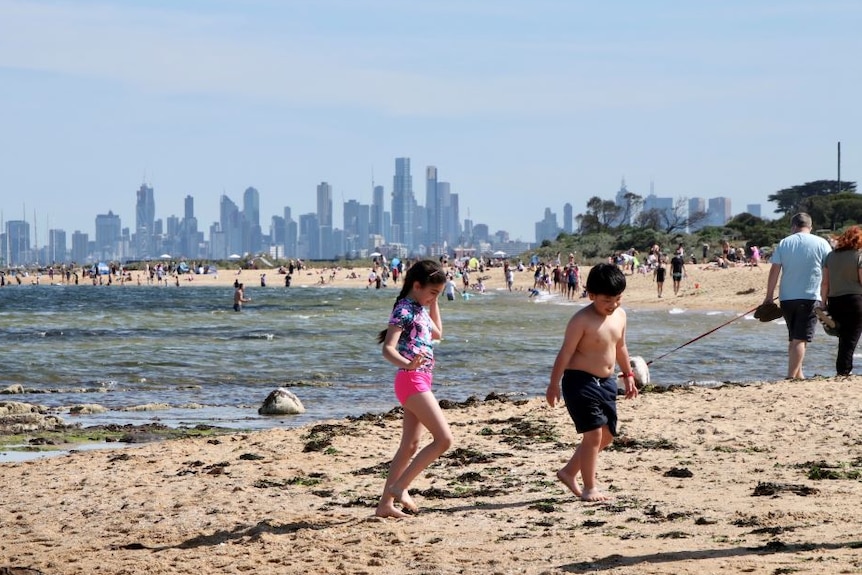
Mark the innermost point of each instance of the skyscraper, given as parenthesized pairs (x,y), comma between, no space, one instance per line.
(377,211)
(57,246)
(230,223)
(80,247)
(145,215)
(719,211)
(18,242)
(324,222)
(433,211)
(403,203)
(108,236)
(251,232)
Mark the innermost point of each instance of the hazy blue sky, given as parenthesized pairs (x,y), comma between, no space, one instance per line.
(521,105)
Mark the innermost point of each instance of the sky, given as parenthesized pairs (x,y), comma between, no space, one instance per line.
(521,106)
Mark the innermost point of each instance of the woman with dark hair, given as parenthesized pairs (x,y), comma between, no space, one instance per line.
(841,293)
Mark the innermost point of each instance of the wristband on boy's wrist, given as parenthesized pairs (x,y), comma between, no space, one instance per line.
(629,374)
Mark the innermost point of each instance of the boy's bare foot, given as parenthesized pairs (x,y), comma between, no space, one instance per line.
(403,497)
(388,509)
(569,481)
(593,494)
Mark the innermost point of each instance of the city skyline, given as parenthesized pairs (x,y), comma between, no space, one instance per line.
(432,229)
(520,106)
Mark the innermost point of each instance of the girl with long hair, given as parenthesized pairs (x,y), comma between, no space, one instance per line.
(407,343)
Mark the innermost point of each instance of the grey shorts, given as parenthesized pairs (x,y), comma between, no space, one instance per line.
(800,319)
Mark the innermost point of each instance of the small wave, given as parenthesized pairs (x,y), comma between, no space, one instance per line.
(675,311)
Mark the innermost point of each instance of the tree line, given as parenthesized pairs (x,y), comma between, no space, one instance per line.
(607,227)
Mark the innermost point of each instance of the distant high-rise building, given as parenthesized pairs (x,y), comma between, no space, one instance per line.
(277,234)
(108,236)
(696,211)
(568,218)
(662,207)
(145,215)
(190,238)
(309,237)
(325,243)
(291,232)
(80,247)
(753,209)
(377,210)
(230,225)
(718,211)
(356,227)
(57,246)
(629,210)
(251,232)
(18,242)
(403,205)
(433,210)
(547,229)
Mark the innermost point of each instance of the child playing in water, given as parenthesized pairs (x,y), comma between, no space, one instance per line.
(413,323)
(595,340)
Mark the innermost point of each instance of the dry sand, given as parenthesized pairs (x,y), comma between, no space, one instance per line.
(740,479)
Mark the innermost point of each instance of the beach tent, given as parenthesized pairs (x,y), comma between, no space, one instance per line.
(473,264)
(183,267)
(101,269)
(211,270)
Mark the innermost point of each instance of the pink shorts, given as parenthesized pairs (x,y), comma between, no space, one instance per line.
(409,382)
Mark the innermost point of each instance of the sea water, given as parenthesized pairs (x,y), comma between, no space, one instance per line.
(185,347)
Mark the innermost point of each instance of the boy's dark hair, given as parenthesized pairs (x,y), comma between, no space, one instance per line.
(425,272)
(606,279)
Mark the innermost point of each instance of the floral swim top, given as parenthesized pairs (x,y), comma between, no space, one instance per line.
(416,336)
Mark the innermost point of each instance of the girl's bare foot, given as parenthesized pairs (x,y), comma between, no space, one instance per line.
(569,481)
(593,494)
(388,509)
(403,497)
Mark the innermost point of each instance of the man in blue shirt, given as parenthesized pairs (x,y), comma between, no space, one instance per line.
(798,260)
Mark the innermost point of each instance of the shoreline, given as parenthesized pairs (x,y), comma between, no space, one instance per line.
(756,478)
(703,287)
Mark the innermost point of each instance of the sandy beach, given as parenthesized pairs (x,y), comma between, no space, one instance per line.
(735,289)
(760,478)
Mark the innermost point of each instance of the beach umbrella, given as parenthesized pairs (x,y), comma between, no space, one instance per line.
(165,256)
(374,255)
(234,257)
(499,254)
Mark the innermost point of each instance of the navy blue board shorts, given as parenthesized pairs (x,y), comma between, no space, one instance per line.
(591,400)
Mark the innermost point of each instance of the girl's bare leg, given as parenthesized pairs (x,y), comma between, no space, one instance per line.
(411,432)
(424,407)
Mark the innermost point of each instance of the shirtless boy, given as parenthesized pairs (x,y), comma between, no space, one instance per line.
(594,343)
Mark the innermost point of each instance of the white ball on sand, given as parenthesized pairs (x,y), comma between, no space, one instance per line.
(281,402)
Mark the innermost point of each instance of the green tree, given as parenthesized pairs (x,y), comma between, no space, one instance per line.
(795,198)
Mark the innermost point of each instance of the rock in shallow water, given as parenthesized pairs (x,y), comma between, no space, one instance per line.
(281,402)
